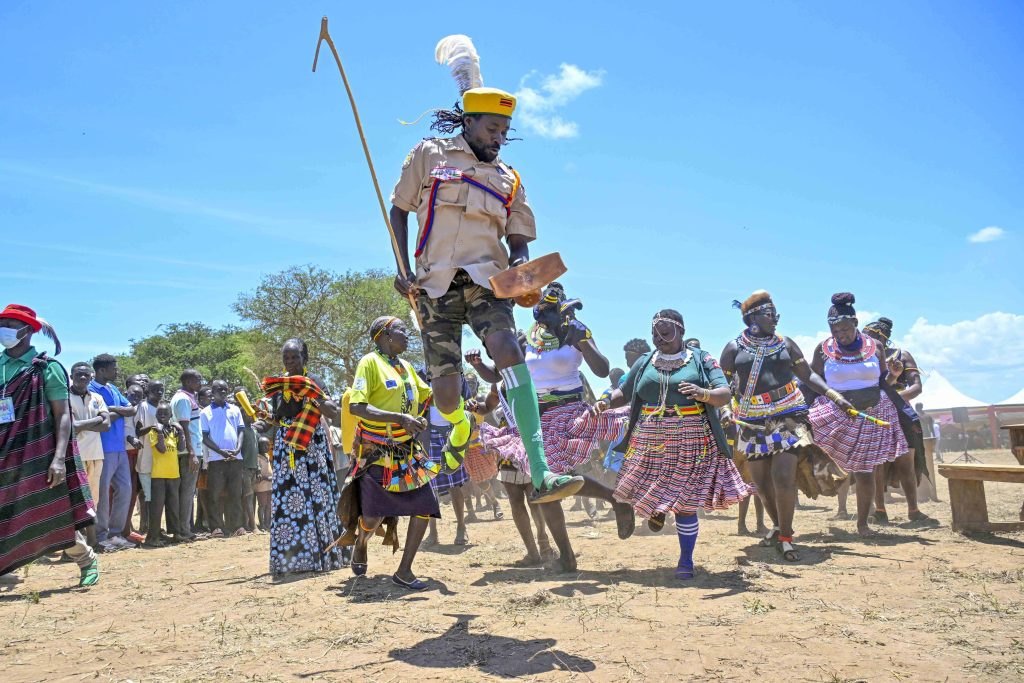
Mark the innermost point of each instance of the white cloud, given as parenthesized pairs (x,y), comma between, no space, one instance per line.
(538,106)
(984,342)
(989,234)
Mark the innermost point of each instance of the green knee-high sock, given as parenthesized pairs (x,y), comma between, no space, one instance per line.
(459,436)
(522,397)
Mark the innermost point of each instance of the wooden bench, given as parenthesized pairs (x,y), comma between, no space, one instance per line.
(967,495)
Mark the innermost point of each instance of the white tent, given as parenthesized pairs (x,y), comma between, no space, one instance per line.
(939,394)
(1015,400)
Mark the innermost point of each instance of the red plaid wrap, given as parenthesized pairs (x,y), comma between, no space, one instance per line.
(300,431)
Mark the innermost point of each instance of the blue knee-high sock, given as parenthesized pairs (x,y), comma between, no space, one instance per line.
(686,528)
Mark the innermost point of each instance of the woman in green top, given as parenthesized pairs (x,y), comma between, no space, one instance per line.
(676,459)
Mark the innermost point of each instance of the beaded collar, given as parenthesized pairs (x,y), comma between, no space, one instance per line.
(831,348)
(771,345)
(539,339)
(670,362)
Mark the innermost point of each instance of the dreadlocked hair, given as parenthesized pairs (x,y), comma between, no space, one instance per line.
(447,121)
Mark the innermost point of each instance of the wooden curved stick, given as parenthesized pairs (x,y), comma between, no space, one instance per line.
(326,36)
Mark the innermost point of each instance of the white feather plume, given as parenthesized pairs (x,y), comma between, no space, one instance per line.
(460,55)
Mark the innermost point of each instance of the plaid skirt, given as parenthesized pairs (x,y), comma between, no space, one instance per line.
(571,433)
(856,444)
(673,465)
(443,483)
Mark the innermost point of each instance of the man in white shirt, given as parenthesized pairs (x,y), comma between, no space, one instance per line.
(223,429)
(89,417)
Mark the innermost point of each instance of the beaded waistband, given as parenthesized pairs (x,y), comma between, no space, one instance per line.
(775,394)
(681,411)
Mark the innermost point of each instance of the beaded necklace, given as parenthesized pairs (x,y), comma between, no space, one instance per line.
(856,353)
(761,347)
(539,339)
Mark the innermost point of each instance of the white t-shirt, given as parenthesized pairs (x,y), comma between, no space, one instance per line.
(90,447)
(146,417)
(223,424)
(557,370)
(129,429)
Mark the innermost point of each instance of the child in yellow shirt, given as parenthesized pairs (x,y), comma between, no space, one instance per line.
(164,437)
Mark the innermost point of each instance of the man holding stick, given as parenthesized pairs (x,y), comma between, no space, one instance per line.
(466,199)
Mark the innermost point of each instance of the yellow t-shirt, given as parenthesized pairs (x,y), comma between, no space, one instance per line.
(165,465)
(349,423)
(380,385)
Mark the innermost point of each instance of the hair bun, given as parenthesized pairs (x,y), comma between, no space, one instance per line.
(886,321)
(843,299)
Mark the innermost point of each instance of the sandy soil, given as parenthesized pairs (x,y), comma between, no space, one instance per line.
(912,605)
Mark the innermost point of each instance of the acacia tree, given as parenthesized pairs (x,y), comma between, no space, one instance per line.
(331,312)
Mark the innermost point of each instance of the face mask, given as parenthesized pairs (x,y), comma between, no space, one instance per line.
(9,337)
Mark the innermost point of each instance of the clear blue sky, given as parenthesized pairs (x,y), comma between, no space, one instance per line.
(156,159)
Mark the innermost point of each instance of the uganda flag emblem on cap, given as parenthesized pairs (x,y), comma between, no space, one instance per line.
(488,101)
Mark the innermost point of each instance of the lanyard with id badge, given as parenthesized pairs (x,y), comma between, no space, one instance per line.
(6,402)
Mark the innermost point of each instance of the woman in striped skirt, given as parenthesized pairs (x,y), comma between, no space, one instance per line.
(852,365)
(556,347)
(677,459)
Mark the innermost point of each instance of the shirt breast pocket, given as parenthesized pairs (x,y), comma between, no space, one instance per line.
(494,201)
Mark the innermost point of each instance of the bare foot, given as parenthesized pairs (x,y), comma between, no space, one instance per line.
(842,515)
(762,530)
(529,561)
(567,565)
(430,541)
(742,530)
(864,531)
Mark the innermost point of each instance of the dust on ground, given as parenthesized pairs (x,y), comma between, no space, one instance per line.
(910,605)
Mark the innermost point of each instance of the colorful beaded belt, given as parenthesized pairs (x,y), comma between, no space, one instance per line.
(681,411)
(774,395)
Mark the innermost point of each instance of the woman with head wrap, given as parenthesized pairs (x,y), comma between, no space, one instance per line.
(391,473)
(305,487)
(677,459)
(557,346)
(868,435)
(902,384)
(772,427)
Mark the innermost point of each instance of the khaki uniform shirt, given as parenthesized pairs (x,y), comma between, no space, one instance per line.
(469,223)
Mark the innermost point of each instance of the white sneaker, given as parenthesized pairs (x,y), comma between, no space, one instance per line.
(120,542)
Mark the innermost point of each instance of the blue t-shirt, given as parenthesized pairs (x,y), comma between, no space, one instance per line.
(112,439)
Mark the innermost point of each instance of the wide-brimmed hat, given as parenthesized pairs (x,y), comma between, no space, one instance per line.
(22,313)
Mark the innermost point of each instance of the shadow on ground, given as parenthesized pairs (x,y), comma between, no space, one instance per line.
(502,656)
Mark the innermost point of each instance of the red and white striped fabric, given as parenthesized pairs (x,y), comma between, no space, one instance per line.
(672,464)
(856,444)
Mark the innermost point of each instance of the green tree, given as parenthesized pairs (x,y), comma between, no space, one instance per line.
(217,354)
(331,312)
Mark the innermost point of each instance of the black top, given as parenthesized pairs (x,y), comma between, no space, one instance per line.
(776,370)
(287,410)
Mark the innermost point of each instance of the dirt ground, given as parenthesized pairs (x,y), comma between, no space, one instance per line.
(911,605)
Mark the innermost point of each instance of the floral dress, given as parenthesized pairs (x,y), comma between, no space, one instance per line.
(304,504)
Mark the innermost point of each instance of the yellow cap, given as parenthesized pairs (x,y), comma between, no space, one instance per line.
(488,101)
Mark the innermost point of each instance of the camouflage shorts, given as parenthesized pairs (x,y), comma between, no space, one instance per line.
(465,303)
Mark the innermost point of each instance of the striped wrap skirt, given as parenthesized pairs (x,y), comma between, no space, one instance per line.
(672,464)
(856,444)
(443,483)
(571,433)
(508,448)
